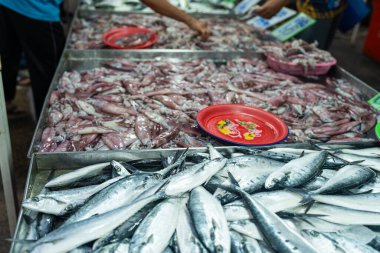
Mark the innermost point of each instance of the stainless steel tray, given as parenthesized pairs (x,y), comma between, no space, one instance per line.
(80,13)
(86,59)
(43,164)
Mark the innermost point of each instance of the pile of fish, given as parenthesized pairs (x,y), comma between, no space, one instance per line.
(227,34)
(199,6)
(154,103)
(299,52)
(279,200)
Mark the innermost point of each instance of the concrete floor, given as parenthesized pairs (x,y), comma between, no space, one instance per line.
(349,57)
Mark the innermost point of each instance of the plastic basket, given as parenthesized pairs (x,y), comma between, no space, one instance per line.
(299,70)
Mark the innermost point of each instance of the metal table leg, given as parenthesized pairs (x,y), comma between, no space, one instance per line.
(6,163)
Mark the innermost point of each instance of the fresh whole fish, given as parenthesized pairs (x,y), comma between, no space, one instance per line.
(340,215)
(125,230)
(349,245)
(250,171)
(367,152)
(64,201)
(187,238)
(275,201)
(209,221)
(118,194)
(321,242)
(66,238)
(364,202)
(193,177)
(149,236)
(371,162)
(76,175)
(247,228)
(298,171)
(243,244)
(273,228)
(347,177)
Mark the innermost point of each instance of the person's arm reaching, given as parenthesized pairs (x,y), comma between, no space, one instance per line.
(165,8)
(270,8)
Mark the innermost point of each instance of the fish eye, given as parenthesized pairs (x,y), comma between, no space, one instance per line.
(36,199)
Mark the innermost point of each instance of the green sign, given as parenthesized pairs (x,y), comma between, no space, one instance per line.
(375,101)
(293,27)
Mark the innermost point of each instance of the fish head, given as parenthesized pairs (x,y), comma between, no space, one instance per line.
(274,179)
(45,205)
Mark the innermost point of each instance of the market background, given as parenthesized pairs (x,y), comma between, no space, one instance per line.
(349,56)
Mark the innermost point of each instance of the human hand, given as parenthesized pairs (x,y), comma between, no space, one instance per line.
(270,8)
(200,27)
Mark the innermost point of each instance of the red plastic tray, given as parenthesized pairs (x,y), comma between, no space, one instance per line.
(110,37)
(242,125)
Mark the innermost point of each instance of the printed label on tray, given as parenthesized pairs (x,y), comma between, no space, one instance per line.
(239,129)
(244,6)
(293,27)
(263,23)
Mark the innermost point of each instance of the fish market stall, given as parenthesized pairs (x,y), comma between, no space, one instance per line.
(338,218)
(104,100)
(228,33)
(202,6)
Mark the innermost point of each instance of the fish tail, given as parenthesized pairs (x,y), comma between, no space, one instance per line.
(307,197)
(309,205)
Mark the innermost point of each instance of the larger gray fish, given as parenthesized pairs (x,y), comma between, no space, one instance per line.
(367,152)
(247,228)
(349,245)
(66,238)
(340,215)
(298,171)
(319,181)
(209,221)
(349,176)
(187,238)
(76,175)
(275,201)
(154,233)
(273,228)
(288,154)
(61,202)
(372,186)
(365,202)
(193,176)
(372,162)
(321,242)
(305,222)
(126,229)
(115,247)
(250,171)
(243,244)
(118,194)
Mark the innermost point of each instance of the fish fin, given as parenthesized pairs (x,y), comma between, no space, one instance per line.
(233,179)
(162,187)
(309,205)
(51,175)
(302,154)
(314,145)
(23,241)
(359,193)
(306,197)
(29,220)
(355,162)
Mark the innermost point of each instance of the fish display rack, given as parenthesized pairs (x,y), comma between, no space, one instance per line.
(44,166)
(87,59)
(88,26)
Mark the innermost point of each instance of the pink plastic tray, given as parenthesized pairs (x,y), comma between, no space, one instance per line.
(299,70)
